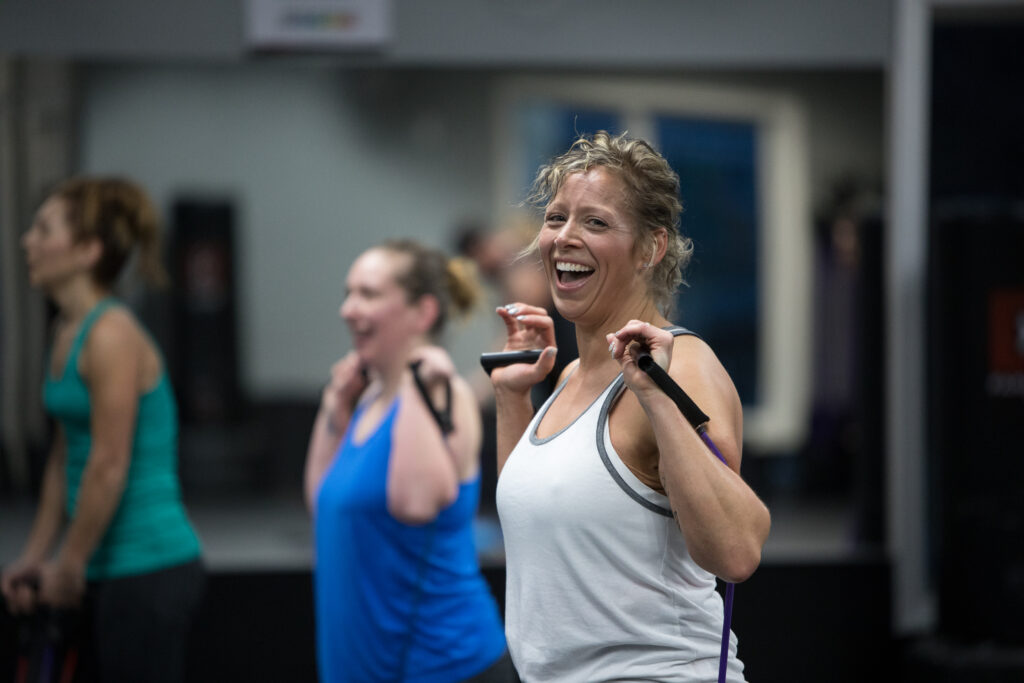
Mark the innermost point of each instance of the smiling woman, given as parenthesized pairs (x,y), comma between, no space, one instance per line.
(585,233)
(393,486)
(644,198)
(614,512)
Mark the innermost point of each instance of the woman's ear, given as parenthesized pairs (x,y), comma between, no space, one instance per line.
(427,310)
(90,251)
(654,250)
(660,245)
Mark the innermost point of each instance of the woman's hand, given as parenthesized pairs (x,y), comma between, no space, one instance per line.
(347,383)
(435,365)
(527,327)
(626,344)
(18,583)
(61,583)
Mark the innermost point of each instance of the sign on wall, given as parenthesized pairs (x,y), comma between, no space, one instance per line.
(318,24)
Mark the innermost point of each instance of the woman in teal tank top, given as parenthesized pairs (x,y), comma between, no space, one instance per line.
(127,553)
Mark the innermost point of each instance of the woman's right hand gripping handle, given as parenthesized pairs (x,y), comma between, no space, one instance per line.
(526,327)
(337,404)
(347,383)
(19,583)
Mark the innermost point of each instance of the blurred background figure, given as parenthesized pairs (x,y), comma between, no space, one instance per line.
(393,480)
(129,554)
(513,272)
(510,272)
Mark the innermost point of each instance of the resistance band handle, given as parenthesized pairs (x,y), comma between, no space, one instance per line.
(442,416)
(500,359)
(693,414)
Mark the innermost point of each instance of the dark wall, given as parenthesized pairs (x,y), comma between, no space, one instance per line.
(976,331)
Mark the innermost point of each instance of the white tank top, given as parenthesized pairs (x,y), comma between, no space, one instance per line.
(600,585)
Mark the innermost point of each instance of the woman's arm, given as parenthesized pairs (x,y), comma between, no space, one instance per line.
(426,466)
(336,407)
(723,521)
(113,356)
(45,530)
(527,327)
(49,517)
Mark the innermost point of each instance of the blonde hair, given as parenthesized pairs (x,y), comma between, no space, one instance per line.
(452,281)
(122,217)
(652,195)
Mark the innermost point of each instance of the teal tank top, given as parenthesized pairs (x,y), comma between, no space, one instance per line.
(150,529)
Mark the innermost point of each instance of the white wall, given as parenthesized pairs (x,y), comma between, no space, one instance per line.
(321,164)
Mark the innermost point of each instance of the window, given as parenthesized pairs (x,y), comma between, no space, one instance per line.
(741,158)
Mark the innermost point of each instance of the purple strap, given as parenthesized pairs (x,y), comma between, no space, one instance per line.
(730,588)
(703,431)
(723,659)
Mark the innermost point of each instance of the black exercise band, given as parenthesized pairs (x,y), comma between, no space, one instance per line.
(443,417)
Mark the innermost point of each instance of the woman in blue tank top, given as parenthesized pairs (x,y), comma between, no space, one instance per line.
(399,593)
(129,555)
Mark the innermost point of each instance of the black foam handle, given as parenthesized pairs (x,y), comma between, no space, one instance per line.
(442,416)
(690,410)
(500,359)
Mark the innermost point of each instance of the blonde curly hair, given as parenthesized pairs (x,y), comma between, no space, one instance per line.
(652,195)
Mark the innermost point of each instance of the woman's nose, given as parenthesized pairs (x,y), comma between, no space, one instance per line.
(349,308)
(566,234)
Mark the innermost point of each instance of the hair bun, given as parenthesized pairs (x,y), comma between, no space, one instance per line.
(463,284)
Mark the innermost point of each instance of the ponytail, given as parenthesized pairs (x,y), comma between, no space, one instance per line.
(453,282)
(463,286)
(119,214)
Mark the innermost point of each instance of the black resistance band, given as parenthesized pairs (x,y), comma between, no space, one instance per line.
(443,416)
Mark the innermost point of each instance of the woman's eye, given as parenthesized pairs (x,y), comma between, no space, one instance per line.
(554,218)
(598,223)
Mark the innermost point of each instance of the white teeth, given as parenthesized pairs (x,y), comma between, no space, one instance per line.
(572,267)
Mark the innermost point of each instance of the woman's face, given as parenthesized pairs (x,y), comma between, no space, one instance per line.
(376,309)
(51,253)
(587,243)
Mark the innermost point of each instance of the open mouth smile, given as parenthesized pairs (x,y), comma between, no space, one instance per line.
(361,335)
(571,275)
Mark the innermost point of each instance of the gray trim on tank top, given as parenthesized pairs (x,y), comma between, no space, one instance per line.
(536,440)
(602,419)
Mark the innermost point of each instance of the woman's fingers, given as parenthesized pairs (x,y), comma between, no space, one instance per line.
(637,335)
(434,363)
(346,384)
(22,599)
(19,590)
(522,376)
(527,326)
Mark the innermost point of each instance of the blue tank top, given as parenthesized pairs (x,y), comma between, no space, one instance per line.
(150,529)
(396,602)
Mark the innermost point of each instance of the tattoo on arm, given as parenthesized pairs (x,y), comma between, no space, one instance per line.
(675,514)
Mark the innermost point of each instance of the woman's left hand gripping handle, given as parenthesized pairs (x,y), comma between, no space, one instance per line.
(526,327)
